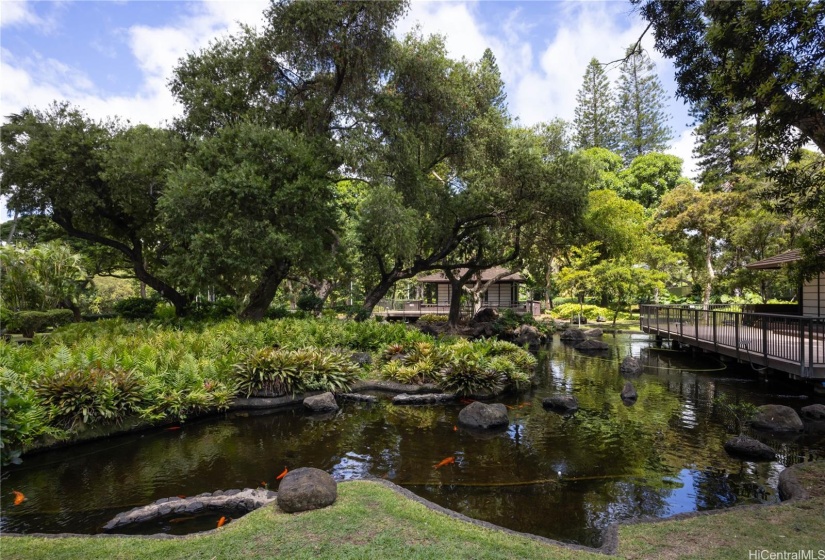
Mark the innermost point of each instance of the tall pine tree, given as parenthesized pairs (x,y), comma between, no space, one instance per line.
(595,120)
(642,121)
(723,142)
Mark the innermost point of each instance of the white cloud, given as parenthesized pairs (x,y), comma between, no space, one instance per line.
(35,81)
(683,147)
(19,13)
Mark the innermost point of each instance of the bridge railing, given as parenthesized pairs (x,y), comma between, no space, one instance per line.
(788,337)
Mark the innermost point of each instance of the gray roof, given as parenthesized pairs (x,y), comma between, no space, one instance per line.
(501,273)
(778,261)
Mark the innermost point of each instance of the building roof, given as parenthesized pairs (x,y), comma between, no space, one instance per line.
(499,273)
(777,261)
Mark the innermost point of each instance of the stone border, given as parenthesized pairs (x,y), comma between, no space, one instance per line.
(393,387)
(248,499)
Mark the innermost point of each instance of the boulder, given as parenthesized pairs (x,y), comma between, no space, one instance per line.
(629,392)
(482,330)
(480,416)
(431,398)
(814,411)
(630,367)
(748,448)
(324,402)
(591,345)
(777,418)
(601,319)
(358,397)
(306,489)
(527,334)
(578,320)
(485,315)
(572,335)
(563,403)
(361,358)
(593,333)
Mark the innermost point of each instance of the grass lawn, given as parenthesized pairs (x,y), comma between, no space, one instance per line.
(372,521)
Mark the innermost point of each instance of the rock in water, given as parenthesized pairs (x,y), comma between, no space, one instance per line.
(321,403)
(630,367)
(629,392)
(563,403)
(480,416)
(572,335)
(591,345)
(594,333)
(814,411)
(305,489)
(749,448)
(777,418)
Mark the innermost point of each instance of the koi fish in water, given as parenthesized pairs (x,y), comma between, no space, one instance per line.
(447,461)
(222,521)
(283,474)
(455,428)
(171,428)
(19,497)
(466,401)
(182,496)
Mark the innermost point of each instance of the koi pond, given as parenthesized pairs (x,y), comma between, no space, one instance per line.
(563,477)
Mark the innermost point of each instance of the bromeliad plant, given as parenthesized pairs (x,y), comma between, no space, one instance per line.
(277,371)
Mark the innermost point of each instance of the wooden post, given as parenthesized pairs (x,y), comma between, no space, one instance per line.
(736,333)
(713,318)
(696,324)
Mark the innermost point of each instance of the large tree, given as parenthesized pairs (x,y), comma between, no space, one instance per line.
(270,113)
(765,60)
(596,118)
(641,102)
(100,182)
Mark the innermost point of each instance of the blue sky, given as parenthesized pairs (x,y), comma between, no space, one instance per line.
(113,58)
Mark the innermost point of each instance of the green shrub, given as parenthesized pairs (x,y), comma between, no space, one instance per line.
(279,371)
(278,312)
(136,308)
(30,322)
(22,417)
(432,318)
(591,312)
(308,301)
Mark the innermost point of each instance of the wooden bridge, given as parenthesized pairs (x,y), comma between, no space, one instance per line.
(788,343)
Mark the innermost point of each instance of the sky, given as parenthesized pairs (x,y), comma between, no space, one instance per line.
(114,58)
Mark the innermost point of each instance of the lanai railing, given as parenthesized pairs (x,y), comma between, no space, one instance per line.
(417,308)
(789,343)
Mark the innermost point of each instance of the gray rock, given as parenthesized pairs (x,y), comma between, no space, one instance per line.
(306,489)
(195,506)
(437,398)
(601,319)
(361,358)
(814,411)
(572,335)
(629,392)
(358,397)
(321,403)
(480,416)
(790,488)
(777,418)
(630,367)
(563,403)
(591,345)
(527,334)
(593,333)
(485,315)
(749,448)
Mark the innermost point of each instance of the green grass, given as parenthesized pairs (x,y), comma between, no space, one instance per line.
(368,521)
(372,521)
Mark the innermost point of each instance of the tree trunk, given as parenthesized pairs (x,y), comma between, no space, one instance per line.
(180,301)
(456,287)
(377,293)
(709,264)
(260,299)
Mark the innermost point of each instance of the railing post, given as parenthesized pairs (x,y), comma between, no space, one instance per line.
(681,323)
(736,317)
(713,318)
(696,324)
(657,318)
(765,339)
(802,347)
(667,318)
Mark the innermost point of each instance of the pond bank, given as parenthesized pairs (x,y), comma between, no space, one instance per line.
(371,520)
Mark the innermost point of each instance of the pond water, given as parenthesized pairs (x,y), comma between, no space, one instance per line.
(562,477)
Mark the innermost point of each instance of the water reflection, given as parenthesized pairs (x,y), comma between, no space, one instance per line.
(565,477)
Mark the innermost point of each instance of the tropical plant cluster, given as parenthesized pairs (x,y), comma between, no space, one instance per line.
(104,373)
(459,366)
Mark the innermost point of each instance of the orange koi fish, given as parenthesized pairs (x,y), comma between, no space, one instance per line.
(221,521)
(466,401)
(182,496)
(283,474)
(264,484)
(447,461)
(455,428)
(19,497)
(182,519)
(170,428)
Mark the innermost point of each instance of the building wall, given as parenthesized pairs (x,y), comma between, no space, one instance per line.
(499,295)
(813,297)
(443,294)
